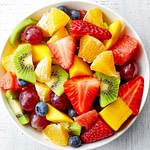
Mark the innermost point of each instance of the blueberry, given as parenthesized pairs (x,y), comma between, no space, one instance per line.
(22,82)
(74,14)
(41,108)
(63,8)
(74,141)
(72,112)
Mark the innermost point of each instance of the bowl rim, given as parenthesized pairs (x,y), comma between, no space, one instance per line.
(5,39)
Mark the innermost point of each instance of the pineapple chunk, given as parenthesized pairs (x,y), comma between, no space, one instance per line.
(116,113)
(79,68)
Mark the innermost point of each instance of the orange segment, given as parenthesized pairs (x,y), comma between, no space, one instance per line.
(39,51)
(43,70)
(57,19)
(61,33)
(57,134)
(43,24)
(90,48)
(79,68)
(116,113)
(43,91)
(104,63)
(115,30)
(95,17)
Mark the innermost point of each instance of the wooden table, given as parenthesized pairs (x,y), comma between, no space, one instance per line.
(137,13)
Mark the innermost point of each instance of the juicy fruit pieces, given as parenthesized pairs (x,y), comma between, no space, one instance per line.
(63,50)
(33,34)
(81,28)
(131,92)
(81,92)
(124,49)
(90,48)
(43,70)
(28,98)
(56,115)
(61,33)
(115,30)
(95,17)
(6,63)
(116,113)
(57,134)
(109,87)
(74,141)
(15,35)
(98,131)
(22,63)
(43,91)
(39,51)
(74,14)
(13,100)
(104,63)
(79,68)
(87,119)
(58,77)
(41,109)
(7,81)
(82,13)
(56,20)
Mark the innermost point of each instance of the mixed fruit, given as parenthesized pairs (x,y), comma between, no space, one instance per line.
(71,76)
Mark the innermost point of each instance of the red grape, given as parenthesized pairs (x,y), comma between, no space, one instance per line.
(129,70)
(38,122)
(60,102)
(28,98)
(33,34)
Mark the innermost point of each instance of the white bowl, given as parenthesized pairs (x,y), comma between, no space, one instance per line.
(142,61)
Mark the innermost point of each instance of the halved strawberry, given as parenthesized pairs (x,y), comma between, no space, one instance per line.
(81,92)
(98,131)
(63,50)
(7,81)
(87,119)
(124,49)
(82,13)
(131,92)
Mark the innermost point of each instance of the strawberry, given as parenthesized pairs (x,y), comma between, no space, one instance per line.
(131,92)
(82,13)
(63,50)
(16,87)
(7,81)
(81,27)
(81,91)
(87,119)
(124,49)
(98,131)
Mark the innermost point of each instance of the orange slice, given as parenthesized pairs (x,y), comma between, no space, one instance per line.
(104,63)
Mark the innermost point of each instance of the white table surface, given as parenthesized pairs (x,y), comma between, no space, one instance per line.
(137,13)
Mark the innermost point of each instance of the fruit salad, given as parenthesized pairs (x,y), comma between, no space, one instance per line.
(71,76)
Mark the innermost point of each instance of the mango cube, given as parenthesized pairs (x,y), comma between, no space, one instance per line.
(79,68)
(116,113)
(56,115)
(115,30)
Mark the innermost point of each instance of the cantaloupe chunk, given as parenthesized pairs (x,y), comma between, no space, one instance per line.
(116,113)
(79,68)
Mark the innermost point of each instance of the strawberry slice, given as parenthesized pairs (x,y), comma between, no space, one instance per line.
(81,92)
(82,13)
(124,49)
(131,92)
(7,81)
(63,50)
(81,28)
(98,131)
(87,119)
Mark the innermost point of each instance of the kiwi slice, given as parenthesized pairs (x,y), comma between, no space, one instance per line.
(74,128)
(16,32)
(22,63)
(68,26)
(58,77)
(109,86)
(13,100)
